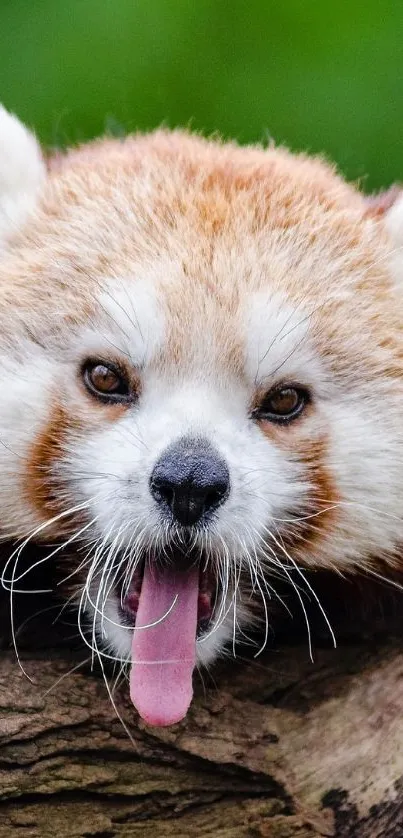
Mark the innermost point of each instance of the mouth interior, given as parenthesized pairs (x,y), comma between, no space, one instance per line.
(205,601)
(171,607)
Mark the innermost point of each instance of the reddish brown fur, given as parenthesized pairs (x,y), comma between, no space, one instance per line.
(322,501)
(205,189)
(319,508)
(43,485)
(43,489)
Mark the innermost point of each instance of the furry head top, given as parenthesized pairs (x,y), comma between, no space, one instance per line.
(201,385)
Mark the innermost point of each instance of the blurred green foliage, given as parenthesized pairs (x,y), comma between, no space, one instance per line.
(313,74)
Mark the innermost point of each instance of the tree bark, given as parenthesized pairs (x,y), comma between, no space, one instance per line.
(277,747)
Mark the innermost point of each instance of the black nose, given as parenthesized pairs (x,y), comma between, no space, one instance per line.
(190,479)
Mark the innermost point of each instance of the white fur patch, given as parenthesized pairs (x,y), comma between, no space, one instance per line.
(394,225)
(22,173)
(278,342)
(394,221)
(129,322)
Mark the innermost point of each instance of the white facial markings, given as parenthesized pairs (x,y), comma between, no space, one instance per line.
(206,403)
(129,321)
(278,341)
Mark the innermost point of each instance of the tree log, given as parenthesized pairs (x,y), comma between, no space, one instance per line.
(279,746)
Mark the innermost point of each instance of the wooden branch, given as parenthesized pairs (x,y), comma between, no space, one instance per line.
(282,747)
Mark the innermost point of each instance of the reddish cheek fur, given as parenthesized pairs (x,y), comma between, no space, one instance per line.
(319,507)
(321,501)
(44,488)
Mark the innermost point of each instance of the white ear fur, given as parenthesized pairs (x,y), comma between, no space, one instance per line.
(22,172)
(394,221)
(389,206)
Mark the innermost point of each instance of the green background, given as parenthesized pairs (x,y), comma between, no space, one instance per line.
(315,75)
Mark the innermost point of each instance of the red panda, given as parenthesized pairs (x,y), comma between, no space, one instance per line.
(201,384)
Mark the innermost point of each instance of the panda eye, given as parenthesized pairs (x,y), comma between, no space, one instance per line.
(106,381)
(282,405)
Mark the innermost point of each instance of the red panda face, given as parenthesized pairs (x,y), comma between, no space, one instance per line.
(201,389)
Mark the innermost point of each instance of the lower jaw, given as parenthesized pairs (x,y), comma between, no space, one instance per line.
(182,612)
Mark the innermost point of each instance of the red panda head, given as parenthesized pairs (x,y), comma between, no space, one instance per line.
(201,385)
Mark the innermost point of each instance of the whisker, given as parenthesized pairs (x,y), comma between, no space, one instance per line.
(66,675)
(308,585)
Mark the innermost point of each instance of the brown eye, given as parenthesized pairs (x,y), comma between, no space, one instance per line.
(106,381)
(282,405)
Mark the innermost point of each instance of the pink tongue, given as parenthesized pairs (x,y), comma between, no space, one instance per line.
(164,655)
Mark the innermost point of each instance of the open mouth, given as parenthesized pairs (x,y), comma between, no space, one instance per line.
(205,601)
(170,603)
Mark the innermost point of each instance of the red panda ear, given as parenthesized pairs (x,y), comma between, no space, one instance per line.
(388,204)
(394,220)
(388,207)
(22,172)
(383,202)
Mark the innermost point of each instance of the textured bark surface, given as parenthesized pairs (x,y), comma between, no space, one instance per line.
(281,747)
